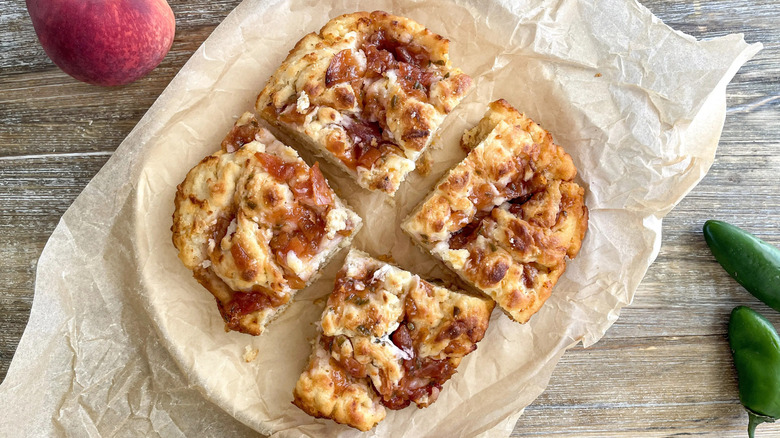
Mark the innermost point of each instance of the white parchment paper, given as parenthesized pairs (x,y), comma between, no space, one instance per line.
(122,341)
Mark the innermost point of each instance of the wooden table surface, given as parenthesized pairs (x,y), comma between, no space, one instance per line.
(663,369)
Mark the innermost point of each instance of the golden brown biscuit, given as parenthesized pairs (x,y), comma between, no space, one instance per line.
(507,216)
(368,93)
(388,339)
(255,224)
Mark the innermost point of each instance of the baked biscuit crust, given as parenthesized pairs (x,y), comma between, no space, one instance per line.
(255,224)
(508,216)
(388,339)
(368,93)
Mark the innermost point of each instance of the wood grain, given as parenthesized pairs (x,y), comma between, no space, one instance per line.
(663,369)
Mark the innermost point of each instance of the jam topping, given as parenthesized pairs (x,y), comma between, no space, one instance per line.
(220,228)
(403,340)
(341,381)
(384,44)
(302,227)
(516,205)
(317,190)
(290,114)
(299,230)
(368,137)
(349,289)
(246,266)
(347,362)
(482,196)
(415,81)
(378,61)
(423,376)
(243,303)
(240,135)
(343,67)
(411,61)
(281,170)
(368,143)
(363,134)
(309,187)
(421,383)
(461,238)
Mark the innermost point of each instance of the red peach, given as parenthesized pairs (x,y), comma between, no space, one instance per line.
(104,42)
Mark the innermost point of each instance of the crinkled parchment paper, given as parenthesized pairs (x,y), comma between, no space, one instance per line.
(122,340)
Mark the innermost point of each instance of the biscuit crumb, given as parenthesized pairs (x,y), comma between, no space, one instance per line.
(425,163)
(387,258)
(250,354)
(597,75)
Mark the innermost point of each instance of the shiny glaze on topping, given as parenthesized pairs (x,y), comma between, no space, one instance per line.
(244,303)
(343,67)
(240,135)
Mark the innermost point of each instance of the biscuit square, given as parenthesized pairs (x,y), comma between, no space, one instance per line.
(507,217)
(387,339)
(367,92)
(255,224)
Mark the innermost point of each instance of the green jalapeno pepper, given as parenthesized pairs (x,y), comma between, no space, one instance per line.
(754,263)
(755,347)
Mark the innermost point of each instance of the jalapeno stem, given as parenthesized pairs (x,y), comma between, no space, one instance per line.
(754,420)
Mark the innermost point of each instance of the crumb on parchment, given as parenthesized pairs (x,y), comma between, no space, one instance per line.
(425,163)
(250,353)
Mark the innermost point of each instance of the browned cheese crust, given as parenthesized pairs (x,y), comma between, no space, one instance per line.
(368,92)
(255,223)
(508,216)
(388,339)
